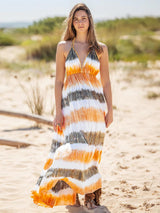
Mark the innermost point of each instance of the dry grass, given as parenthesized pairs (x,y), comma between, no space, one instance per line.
(35,98)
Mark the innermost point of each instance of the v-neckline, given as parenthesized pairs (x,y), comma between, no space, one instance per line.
(81,65)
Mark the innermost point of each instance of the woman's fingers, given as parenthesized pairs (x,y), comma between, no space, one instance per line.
(57,125)
(108,119)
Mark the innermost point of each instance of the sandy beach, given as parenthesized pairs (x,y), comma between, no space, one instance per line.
(131,155)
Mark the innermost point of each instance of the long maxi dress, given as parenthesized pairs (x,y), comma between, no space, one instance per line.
(72,163)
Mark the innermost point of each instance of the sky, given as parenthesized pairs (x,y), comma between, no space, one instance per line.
(34,10)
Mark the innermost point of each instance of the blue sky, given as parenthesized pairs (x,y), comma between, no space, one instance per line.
(33,10)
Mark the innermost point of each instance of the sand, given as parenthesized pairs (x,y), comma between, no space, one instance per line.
(131,156)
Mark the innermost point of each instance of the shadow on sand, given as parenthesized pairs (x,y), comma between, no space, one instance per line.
(82,209)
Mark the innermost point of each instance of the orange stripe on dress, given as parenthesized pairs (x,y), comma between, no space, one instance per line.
(77,155)
(72,69)
(91,69)
(80,78)
(49,200)
(48,163)
(83,156)
(89,114)
(88,68)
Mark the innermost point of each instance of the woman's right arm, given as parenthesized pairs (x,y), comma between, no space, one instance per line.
(59,81)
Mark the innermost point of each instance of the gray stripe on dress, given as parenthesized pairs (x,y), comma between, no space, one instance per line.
(73,173)
(90,138)
(92,55)
(55,144)
(39,180)
(82,95)
(71,55)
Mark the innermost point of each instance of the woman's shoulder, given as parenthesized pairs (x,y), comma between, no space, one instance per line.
(64,46)
(104,47)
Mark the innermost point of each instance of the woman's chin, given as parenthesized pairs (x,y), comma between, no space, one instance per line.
(82,29)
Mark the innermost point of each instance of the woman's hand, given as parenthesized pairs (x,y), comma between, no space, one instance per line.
(109,118)
(58,120)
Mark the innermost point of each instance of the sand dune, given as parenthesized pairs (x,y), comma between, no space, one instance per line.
(131,155)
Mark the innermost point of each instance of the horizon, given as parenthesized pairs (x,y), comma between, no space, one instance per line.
(95,19)
(18,11)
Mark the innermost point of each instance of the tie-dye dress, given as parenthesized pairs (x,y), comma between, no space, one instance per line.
(72,163)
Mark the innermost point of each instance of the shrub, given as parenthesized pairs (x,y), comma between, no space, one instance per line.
(46,25)
(127,49)
(6,40)
(150,46)
(44,51)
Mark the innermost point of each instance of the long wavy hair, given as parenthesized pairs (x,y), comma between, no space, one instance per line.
(70,31)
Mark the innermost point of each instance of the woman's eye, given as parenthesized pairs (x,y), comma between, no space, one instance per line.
(76,20)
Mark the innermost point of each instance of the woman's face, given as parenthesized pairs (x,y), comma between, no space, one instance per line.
(80,21)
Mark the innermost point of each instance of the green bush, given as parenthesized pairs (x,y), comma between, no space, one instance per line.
(112,50)
(44,50)
(150,46)
(46,25)
(127,49)
(130,25)
(6,40)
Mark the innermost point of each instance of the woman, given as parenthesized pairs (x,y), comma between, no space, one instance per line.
(80,121)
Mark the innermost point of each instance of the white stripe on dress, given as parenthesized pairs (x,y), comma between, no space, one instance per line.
(87,104)
(62,164)
(79,183)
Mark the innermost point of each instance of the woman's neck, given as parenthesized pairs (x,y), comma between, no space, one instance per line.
(81,39)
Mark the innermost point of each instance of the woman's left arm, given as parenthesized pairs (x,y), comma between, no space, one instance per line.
(105,80)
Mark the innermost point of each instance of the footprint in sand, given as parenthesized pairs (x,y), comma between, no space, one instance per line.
(123,167)
(150,144)
(145,188)
(112,194)
(135,187)
(129,196)
(129,206)
(116,188)
(123,182)
(148,205)
(137,157)
(152,150)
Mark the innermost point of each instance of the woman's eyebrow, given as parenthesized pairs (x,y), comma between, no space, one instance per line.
(81,16)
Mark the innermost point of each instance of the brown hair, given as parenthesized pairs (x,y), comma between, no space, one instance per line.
(70,31)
